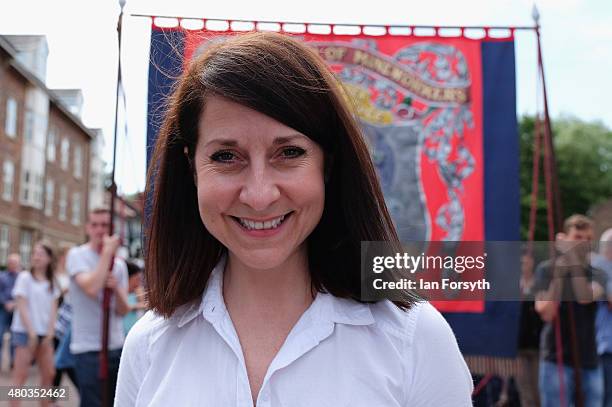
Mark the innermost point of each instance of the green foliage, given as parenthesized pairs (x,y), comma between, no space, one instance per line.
(584,164)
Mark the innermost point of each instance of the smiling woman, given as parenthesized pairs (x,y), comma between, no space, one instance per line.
(260,184)
(262,191)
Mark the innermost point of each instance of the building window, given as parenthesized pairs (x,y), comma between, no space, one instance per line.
(41,188)
(32,189)
(49,196)
(28,129)
(25,187)
(25,248)
(65,151)
(63,197)
(78,164)
(51,141)
(38,191)
(10,125)
(5,244)
(93,179)
(8,177)
(76,208)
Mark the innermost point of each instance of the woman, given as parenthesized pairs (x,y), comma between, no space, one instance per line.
(33,327)
(262,190)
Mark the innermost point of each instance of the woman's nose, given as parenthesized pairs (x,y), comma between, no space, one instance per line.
(260,189)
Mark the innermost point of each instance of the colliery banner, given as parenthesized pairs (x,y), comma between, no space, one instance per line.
(439,115)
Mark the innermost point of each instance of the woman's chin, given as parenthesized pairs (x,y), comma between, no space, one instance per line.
(261,259)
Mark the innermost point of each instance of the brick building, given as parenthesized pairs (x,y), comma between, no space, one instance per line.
(45,154)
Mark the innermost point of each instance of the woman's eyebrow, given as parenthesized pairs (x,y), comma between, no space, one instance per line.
(277,141)
(223,142)
(287,139)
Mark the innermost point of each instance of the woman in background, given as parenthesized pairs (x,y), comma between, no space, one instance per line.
(33,326)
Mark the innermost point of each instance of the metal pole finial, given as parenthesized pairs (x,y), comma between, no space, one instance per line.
(535,14)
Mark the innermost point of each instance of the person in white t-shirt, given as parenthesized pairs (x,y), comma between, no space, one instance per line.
(88,266)
(33,326)
(262,190)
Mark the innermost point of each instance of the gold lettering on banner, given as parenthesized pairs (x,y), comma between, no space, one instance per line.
(359,57)
(334,54)
(361,101)
(395,72)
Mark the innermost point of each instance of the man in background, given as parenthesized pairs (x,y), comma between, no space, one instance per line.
(7,302)
(88,267)
(567,289)
(603,324)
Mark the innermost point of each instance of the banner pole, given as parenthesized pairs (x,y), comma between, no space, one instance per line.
(108,292)
(557,212)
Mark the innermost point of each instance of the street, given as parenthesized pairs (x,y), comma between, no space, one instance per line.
(33,380)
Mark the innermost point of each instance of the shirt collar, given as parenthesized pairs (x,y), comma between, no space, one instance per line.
(212,303)
(325,307)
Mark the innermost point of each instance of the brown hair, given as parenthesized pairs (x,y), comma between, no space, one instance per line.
(287,81)
(579,222)
(50,270)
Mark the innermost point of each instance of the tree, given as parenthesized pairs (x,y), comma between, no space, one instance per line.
(584,164)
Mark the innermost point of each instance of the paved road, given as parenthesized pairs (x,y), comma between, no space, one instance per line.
(34,380)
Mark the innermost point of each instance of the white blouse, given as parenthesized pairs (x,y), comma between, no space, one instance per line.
(39,302)
(340,353)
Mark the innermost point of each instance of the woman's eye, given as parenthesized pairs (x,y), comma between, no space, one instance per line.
(292,152)
(223,156)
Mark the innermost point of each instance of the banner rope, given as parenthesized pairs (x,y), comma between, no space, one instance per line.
(164,21)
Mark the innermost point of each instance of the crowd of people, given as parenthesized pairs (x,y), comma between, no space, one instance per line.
(52,312)
(565,340)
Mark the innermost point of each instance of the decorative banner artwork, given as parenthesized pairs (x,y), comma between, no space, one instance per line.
(439,115)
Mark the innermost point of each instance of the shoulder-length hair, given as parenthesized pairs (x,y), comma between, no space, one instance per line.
(284,79)
(50,270)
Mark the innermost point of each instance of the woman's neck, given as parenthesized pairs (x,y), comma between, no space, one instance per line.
(38,274)
(285,287)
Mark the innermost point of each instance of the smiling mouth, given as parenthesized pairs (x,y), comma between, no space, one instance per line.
(267,225)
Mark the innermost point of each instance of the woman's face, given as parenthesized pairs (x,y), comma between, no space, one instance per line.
(260,183)
(40,258)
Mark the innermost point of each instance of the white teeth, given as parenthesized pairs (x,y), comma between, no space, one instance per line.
(271,224)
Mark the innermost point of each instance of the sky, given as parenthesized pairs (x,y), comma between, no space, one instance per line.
(82,40)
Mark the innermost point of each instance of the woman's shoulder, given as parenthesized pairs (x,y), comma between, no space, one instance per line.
(151,326)
(141,330)
(143,342)
(436,371)
(421,329)
(149,323)
(24,277)
(420,320)
(24,274)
